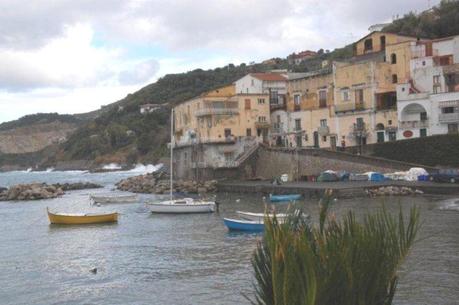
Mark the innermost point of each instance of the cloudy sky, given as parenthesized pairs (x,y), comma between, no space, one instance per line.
(72,56)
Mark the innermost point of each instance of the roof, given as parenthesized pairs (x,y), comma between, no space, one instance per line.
(273,77)
(371,33)
(298,76)
(306,53)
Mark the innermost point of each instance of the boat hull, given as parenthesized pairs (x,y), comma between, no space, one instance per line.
(243,225)
(114,199)
(284,198)
(81,219)
(177,208)
(259,216)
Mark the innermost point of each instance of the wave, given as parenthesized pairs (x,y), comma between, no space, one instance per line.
(145,169)
(111,166)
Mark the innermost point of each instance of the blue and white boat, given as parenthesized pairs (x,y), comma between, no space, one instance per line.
(244,225)
(284,198)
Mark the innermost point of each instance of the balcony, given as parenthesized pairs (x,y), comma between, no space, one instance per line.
(449,117)
(262,125)
(413,124)
(277,128)
(323,130)
(208,111)
(274,107)
(346,106)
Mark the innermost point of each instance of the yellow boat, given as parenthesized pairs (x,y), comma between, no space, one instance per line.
(77,219)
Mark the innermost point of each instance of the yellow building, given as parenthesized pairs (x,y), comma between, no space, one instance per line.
(309,105)
(377,41)
(221,116)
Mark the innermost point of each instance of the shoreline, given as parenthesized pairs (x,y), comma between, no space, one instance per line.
(351,189)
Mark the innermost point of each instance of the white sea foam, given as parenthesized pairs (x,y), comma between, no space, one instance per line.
(145,169)
(111,166)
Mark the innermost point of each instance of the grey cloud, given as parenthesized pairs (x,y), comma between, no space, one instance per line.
(139,73)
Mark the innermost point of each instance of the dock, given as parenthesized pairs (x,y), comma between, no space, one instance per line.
(341,189)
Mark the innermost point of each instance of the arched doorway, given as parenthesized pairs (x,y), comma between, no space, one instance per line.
(380,134)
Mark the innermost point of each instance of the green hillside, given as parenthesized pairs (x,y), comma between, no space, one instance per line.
(119,133)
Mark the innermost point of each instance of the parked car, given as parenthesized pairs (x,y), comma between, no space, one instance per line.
(446,175)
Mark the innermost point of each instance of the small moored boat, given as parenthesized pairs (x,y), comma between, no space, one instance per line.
(182,206)
(259,216)
(244,225)
(81,218)
(284,198)
(113,198)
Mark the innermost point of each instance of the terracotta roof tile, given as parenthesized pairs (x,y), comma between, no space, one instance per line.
(269,76)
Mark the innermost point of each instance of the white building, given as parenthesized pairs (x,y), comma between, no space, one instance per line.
(429,103)
(149,108)
(274,84)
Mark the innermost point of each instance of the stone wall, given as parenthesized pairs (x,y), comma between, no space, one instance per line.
(272,162)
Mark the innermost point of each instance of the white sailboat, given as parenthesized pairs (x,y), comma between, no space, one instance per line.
(184,205)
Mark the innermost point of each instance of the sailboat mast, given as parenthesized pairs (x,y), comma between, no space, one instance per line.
(172,149)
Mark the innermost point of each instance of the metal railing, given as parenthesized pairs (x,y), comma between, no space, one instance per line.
(448,117)
(345,106)
(323,130)
(413,124)
(216,111)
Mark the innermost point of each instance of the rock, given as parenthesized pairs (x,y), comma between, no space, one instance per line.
(159,183)
(77,186)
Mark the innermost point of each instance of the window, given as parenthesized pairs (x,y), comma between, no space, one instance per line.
(299,141)
(261,101)
(227,132)
(247,104)
(360,123)
(296,99)
(297,124)
(248,132)
(273,97)
(368,44)
(436,84)
(389,122)
(423,132)
(278,119)
(452,128)
(262,119)
(392,136)
(345,94)
(322,98)
(394,78)
(393,58)
(359,96)
(436,79)
(382,39)
(447,110)
(423,116)
(252,82)
(323,123)
(324,139)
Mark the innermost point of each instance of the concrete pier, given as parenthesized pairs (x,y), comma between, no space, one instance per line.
(346,189)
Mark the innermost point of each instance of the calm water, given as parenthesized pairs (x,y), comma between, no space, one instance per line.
(182,259)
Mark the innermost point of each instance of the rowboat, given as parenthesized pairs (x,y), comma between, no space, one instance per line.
(182,206)
(80,218)
(244,225)
(259,216)
(283,198)
(114,198)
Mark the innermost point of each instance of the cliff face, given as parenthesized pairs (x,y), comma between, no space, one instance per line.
(31,138)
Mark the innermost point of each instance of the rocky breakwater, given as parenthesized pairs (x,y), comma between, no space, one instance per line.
(159,183)
(392,191)
(35,191)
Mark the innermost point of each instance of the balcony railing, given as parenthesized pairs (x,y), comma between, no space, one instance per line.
(323,130)
(413,124)
(448,117)
(277,128)
(216,111)
(346,106)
